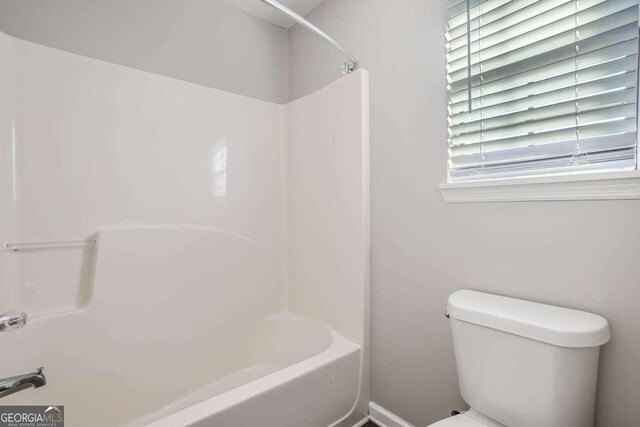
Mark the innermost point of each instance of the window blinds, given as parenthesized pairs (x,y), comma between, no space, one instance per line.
(541,86)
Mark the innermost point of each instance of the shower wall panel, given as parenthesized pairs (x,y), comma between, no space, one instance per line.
(87,145)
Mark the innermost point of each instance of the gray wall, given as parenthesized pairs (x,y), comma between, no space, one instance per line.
(202,41)
(584,255)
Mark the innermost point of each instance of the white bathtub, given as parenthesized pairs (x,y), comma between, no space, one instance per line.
(301,373)
(185,326)
(293,372)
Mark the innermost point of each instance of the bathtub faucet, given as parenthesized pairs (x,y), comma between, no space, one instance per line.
(18,383)
(12,320)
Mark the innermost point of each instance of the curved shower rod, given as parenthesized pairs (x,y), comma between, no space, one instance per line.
(347,67)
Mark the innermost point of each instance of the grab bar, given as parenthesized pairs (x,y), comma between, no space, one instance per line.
(15,247)
(11,385)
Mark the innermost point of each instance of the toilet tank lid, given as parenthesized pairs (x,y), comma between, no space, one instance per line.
(559,326)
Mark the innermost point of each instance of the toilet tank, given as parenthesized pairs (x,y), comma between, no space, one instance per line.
(526,364)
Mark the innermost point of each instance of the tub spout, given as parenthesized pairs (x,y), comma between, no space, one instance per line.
(12,320)
(18,383)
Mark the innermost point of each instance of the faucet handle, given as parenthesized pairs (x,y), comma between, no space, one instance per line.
(12,320)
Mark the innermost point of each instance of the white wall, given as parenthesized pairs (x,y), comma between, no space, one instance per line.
(202,41)
(327,165)
(327,175)
(577,254)
(88,145)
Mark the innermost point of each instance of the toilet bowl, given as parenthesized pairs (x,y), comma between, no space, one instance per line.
(512,355)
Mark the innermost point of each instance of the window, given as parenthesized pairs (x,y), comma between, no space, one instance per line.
(539,87)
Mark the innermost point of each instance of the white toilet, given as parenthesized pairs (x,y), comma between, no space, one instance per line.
(524,364)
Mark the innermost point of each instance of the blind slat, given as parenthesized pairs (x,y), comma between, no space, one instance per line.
(589,146)
(550,136)
(555,36)
(604,62)
(490,72)
(560,14)
(568,121)
(599,162)
(457,15)
(529,116)
(508,14)
(557,94)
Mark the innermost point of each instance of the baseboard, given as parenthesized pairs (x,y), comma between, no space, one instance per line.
(385,418)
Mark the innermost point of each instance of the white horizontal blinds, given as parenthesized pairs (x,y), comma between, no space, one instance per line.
(541,86)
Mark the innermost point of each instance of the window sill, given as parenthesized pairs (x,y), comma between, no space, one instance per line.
(598,186)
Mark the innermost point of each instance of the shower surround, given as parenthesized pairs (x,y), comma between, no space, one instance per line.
(223,275)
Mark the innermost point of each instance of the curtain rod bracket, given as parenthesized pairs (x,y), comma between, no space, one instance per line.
(348,67)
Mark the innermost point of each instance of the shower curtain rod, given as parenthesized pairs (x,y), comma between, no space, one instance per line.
(347,67)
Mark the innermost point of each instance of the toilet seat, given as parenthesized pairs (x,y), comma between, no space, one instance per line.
(471,418)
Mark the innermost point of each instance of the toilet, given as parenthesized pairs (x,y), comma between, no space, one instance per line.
(524,364)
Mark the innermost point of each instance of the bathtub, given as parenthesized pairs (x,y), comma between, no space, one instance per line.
(294,372)
(185,326)
(302,373)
